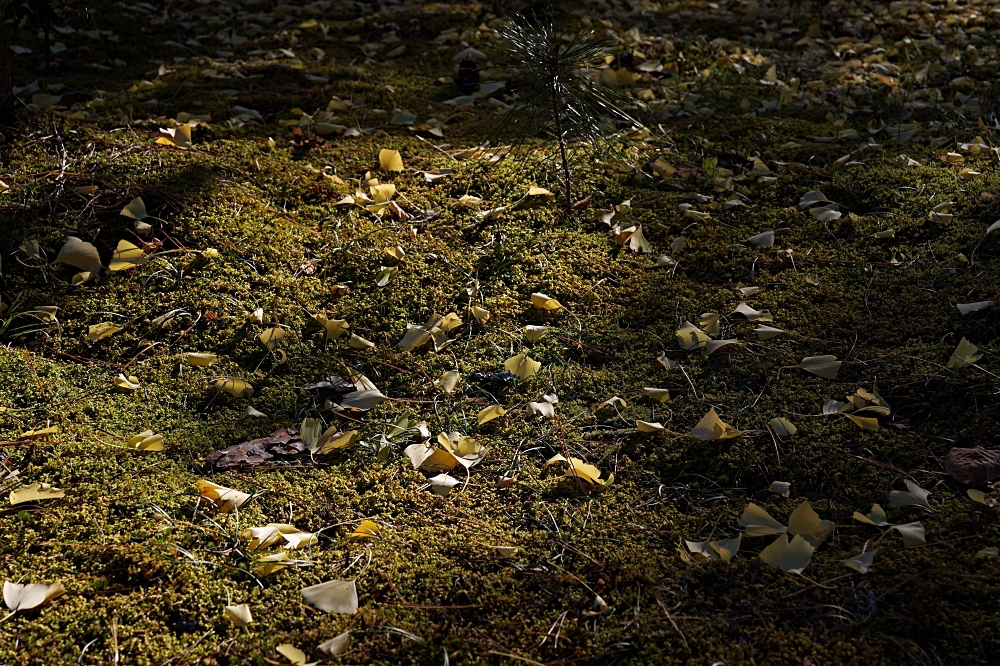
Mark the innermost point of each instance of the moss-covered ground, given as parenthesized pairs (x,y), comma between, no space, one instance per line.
(147,573)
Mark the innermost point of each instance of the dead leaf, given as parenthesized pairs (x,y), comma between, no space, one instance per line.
(35,493)
(77,253)
(790,557)
(25,597)
(711,428)
(390,160)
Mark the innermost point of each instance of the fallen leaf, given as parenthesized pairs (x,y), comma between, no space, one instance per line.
(278,533)
(657,394)
(239,615)
(146,441)
(442,484)
(540,301)
(489,413)
(367,529)
(201,360)
(270,564)
(130,383)
(337,645)
(125,256)
(875,517)
(76,253)
(912,533)
(363,400)
(535,333)
(523,366)
(270,337)
(35,493)
(783,428)
(178,137)
(986,553)
(481,315)
(790,557)
(826,366)
(861,563)
(966,308)
(783,488)
(764,239)
(711,427)
(544,409)
(225,499)
(648,426)
(233,386)
(101,331)
(979,496)
(332,328)
(914,495)
(25,597)
(390,160)
(805,522)
(690,337)
(135,209)
(448,381)
(758,522)
(358,342)
(964,355)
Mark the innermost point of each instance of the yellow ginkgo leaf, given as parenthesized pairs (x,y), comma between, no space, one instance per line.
(690,337)
(25,597)
(77,253)
(864,422)
(130,383)
(711,427)
(489,413)
(790,557)
(335,596)
(337,645)
(875,517)
(239,615)
(783,488)
(466,449)
(582,470)
(272,336)
(101,331)
(41,432)
(481,314)
(358,342)
(233,386)
(78,279)
(861,563)
(535,191)
(125,256)
(367,529)
(805,522)
(914,495)
(979,496)
(540,301)
(226,499)
(535,333)
(34,493)
(913,534)
(523,366)
(146,441)
(964,355)
(709,323)
(430,459)
(657,394)
(782,427)
(758,522)
(767,332)
(826,366)
(338,441)
(390,160)
(447,382)
(178,137)
(202,360)
(332,328)
(649,426)
(269,564)
(136,209)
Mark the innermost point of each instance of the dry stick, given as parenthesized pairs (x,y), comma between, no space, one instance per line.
(443,152)
(31,364)
(689,381)
(676,628)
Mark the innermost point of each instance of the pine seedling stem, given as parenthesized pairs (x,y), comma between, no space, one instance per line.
(554,73)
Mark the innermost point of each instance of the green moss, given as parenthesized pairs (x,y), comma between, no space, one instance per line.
(147,572)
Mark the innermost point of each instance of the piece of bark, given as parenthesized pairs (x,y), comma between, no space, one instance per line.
(974,467)
(284,442)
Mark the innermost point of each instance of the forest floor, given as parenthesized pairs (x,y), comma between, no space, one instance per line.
(885,109)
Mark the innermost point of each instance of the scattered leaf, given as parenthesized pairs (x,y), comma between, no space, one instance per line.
(540,301)
(225,499)
(912,533)
(826,366)
(523,366)
(390,160)
(76,253)
(146,441)
(35,493)
(758,522)
(783,488)
(914,495)
(790,557)
(711,427)
(233,386)
(125,256)
(861,563)
(783,428)
(200,359)
(101,331)
(25,597)
(239,615)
